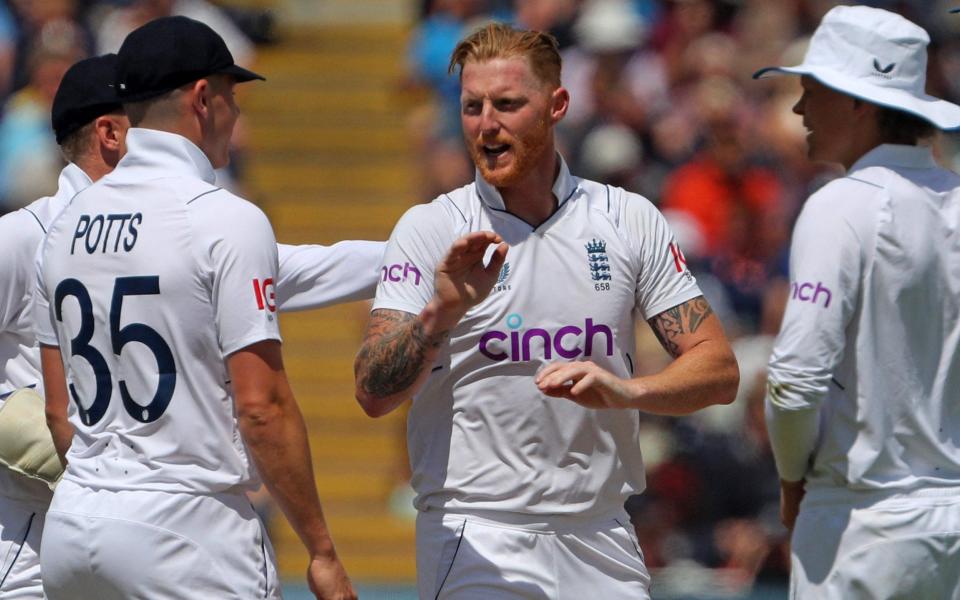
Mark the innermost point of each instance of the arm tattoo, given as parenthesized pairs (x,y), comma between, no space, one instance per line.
(673,322)
(393,352)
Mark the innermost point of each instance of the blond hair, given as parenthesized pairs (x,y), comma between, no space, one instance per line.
(498,40)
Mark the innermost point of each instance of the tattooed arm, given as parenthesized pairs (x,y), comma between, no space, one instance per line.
(399,347)
(704,370)
(394,360)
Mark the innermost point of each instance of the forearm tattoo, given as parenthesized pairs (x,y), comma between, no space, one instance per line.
(394,351)
(672,323)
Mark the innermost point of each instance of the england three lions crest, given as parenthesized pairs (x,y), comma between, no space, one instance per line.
(598,263)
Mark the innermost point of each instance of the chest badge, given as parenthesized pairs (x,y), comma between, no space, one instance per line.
(599,264)
(502,284)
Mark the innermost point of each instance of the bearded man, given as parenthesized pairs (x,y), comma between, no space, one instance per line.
(506,312)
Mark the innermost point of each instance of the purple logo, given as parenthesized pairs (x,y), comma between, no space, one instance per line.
(569,341)
(397,273)
(808,292)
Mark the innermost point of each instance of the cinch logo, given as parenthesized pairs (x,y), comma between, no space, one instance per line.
(807,292)
(401,272)
(569,341)
(265,294)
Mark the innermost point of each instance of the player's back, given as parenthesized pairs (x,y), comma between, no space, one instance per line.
(141,277)
(889,423)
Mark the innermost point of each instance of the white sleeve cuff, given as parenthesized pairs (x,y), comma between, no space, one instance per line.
(793,436)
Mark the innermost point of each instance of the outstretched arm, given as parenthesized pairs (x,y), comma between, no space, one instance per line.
(704,370)
(399,347)
(313,276)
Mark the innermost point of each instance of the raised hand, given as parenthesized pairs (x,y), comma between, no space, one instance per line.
(461,280)
(584,383)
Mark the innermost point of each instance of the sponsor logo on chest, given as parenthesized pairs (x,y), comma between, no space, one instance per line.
(517,344)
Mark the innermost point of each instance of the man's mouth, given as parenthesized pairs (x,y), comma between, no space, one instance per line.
(495,150)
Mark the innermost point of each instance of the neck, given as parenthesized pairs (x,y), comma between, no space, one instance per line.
(532,198)
(865,138)
(94,166)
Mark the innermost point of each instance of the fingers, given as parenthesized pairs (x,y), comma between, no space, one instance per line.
(497,259)
(557,379)
(470,249)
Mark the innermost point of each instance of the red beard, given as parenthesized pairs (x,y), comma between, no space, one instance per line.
(526,153)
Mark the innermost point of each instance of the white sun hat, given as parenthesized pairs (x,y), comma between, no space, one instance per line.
(877,56)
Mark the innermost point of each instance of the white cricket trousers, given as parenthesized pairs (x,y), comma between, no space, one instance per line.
(20,527)
(514,557)
(904,548)
(142,545)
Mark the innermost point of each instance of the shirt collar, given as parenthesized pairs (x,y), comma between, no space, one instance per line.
(563,188)
(161,150)
(896,155)
(72,181)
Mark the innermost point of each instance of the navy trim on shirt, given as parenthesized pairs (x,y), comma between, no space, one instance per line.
(39,222)
(204,194)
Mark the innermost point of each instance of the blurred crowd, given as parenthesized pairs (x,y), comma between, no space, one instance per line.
(40,39)
(663,104)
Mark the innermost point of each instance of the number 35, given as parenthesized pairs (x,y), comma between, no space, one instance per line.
(119,337)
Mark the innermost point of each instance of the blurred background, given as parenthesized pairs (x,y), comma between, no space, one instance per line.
(358,120)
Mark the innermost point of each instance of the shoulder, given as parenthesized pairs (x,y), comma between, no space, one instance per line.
(218,217)
(456,207)
(449,210)
(20,236)
(851,198)
(224,207)
(44,211)
(20,225)
(624,208)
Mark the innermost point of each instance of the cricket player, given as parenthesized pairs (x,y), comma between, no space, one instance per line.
(90,126)
(864,380)
(164,380)
(506,312)
(85,113)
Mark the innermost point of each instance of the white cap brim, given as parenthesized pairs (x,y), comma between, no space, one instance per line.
(940,113)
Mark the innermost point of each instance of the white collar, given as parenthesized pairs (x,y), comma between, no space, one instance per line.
(563,188)
(72,181)
(160,150)
(896,155)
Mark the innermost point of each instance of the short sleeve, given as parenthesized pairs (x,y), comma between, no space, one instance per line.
(237,242)
(663,279)
(313,276)
(418,243)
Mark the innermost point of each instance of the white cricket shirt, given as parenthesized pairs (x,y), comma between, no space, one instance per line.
(149,279)
(864,382)
(481,435)
(20,235)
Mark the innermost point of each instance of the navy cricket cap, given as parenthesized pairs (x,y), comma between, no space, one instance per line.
(85,93)
(168,53)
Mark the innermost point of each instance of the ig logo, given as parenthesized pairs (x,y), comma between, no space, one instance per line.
(265,294)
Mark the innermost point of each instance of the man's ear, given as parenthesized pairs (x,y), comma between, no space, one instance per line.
(560,102)
(111,129)
(200,93)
